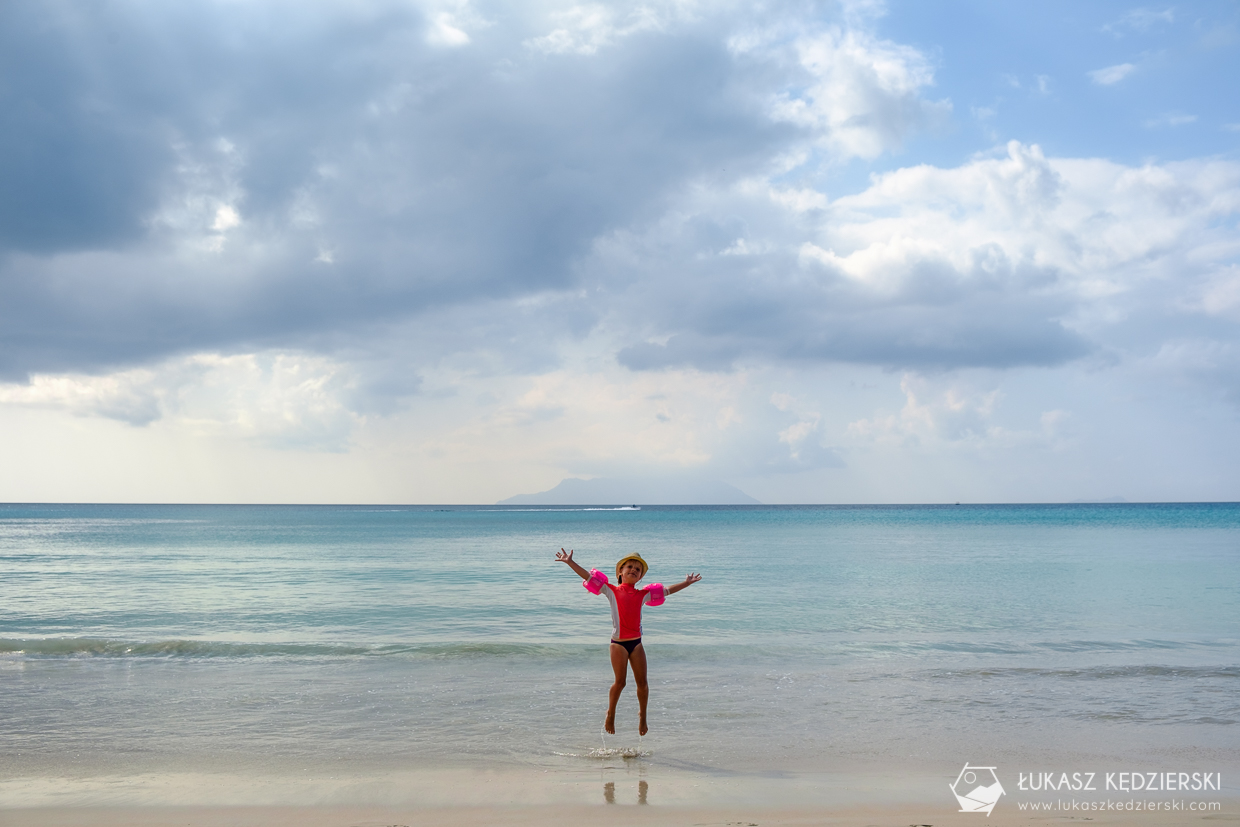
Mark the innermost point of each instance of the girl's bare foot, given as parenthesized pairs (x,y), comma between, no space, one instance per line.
(609,726)
(642,729)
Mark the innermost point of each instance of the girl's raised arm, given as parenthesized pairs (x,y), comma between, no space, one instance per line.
(567,557)
(684,584)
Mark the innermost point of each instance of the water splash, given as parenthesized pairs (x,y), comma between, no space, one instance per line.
(605,752)
(619,752)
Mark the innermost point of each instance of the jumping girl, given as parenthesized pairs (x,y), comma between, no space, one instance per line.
(626,620)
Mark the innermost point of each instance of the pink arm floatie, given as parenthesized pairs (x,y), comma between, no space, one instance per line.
(596,582)
(657,594)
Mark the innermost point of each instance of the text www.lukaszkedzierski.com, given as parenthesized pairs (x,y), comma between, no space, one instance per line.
(1131,805)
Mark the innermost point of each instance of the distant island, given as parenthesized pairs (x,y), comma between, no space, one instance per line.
(638,491)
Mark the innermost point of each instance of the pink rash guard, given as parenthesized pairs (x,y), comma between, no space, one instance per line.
(626,608)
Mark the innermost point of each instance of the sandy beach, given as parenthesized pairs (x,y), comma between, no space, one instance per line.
(620,793)
(564,815)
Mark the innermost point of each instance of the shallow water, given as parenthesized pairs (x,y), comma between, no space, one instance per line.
(198,638)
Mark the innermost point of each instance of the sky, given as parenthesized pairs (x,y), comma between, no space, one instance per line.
(451,252)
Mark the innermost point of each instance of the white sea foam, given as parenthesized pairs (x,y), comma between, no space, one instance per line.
(609,752)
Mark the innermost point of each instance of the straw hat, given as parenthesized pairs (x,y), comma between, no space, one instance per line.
(636,557)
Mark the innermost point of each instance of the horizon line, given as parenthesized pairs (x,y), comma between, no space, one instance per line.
(953,504)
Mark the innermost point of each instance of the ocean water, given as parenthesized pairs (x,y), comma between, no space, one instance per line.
(268,639)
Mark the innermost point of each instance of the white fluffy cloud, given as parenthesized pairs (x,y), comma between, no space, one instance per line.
(951,414)
(584,29)
(861,96)
(1010,259)
(277,399)
(1111,75)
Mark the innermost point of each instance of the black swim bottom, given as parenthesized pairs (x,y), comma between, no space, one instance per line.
(629,645)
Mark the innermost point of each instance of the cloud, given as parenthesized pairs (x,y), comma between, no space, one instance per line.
(853,94)
(586,28)
(282,400)
(861,95)
(948,413)
(1201,363)
(444,29)
(1005,261)
(182,180)
(1112,75)
(1170,119)
(1140,20)
(1221,293)
(128,396)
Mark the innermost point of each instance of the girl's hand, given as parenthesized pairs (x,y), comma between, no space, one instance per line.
(686,583)
(566,557)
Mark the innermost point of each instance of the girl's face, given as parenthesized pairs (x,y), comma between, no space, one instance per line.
(630,573)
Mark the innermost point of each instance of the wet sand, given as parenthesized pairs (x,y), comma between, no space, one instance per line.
(631,793)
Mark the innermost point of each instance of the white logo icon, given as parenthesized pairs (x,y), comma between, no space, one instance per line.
(977,789)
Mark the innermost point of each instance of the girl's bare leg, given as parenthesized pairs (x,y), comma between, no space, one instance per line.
(620,665)
(638,661)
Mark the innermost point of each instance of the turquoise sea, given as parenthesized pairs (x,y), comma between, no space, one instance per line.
(338,639)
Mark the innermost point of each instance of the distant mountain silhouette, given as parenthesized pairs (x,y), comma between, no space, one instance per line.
(634,491)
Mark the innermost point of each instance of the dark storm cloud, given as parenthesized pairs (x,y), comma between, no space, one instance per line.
(79,164)
(994,331)
(418,175)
